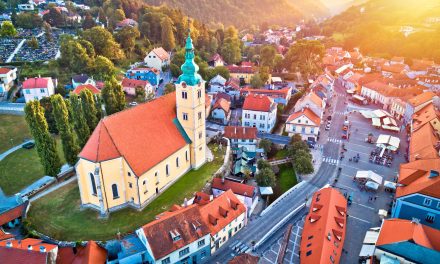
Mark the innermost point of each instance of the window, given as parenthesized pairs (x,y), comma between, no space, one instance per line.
(261,125)
(115,191)
(332,259)
(186,155)
(144,182)
(312,130)
(200,115)
(200,135)
(246,123)
(308,245)
(309,253)
(92,180)
(203,254)
(427,202)
(239,226)
(130,185)
(293,128)
(28,91)
(438,205)
(199,93)
(310,237)
(303,130)
(166,261)
(183,252)
(177,162)
(255,116)
(167,171)
(201,243)
(185,116)
(184,95)
(129,174)
(430,218)
(41,90)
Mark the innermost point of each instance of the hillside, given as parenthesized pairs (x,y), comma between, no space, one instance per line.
(338,6)
(311,8)
(376,28)
(242,13)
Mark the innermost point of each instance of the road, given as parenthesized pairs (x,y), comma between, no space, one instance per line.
(258,226)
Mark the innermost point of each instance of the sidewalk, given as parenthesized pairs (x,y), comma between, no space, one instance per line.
(317,157)
(9,151)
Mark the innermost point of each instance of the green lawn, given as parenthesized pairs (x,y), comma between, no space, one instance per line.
(21,168)
(286,179)
(13,129)
(281,154)
(58,214)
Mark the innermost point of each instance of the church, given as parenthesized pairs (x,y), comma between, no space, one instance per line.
(134,155)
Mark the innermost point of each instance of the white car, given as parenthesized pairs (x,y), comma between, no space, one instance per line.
(133,104)
(327,127)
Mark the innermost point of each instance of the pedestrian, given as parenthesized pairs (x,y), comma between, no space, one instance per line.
(375,198)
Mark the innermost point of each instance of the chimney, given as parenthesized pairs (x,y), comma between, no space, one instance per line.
(39,75)
(185,203)
(235,130)
(223,179)
(211,197)
(244,130)
(42,249)
(30,247)
(9,244)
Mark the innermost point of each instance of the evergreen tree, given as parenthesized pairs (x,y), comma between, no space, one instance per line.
(79,120)
(113,97)
(45,144)
(168,41)
(48,114)
(98,106)
(61,114)
(89,108)
(48,31)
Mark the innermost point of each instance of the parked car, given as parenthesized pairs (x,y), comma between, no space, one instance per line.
(28,145)
(327,127)
(329,118)
(133,104)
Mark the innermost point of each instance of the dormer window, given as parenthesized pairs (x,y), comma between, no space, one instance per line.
(175,235)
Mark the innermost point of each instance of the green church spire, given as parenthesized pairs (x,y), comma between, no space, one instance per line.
(189,69)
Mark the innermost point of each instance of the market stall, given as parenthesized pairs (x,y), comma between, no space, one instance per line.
(365,176)
(388,142)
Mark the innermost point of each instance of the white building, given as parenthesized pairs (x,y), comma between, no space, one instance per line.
(242,137)
(217,84)
(129,86)
(313,102)
(38,88)
(305,123)
(7,78)
(157,58)
(221,111)
(259,111)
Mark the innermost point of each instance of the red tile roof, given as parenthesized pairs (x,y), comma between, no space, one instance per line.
(281,93)
(185,222)
(415,177)
(36,83)
(425,115)
(133,83)
(90,254)
(260,103)
(19,252)
(161,53)
(244,258)
(237,188)
(144,135)
(395,68)
(236,132)
(240,69)
(324,227)
(5,70)
(408,231)
(13,213)
(89,87)
(221,211)
(4,235)
(421,99)
(422,144)
(223,104)
(308,113)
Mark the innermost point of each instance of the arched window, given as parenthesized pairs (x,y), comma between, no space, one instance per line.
(177,162)
(115,191)
(167,171)
(92,180)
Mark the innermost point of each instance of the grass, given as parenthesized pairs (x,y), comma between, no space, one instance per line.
(286,179)
(21,168)
(13,130)
(281,154)
(58,214)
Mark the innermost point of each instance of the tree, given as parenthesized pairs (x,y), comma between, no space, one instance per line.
(2,6)
(54,17)
(219,70)
(256,81)
(169,88)
(264,73)
(167,35)
(175,70)
(104,69)
(32,43)
(98,106)
(305,56)
(127,38)
(79,121)
(302,162)
(7,30)
(140,94)
(48,31)
(28,20)
(266,177)
(101,16)
(262,163)
(230,50)
(48,114)
(45,143)
(61,114)
(113,97)
(103,43)
(267,56)
(88,22)
(296,146)
(89,108)
(265,144)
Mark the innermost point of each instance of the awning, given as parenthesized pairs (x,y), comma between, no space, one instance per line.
(358,97)
(351,92)
(375,122)
(369,176)
(371,237)
(266,191)
(372,185)
(391,128)
(367,251)
(385,259)
(388,142)
(383,213)
(390,185)
(367,113)
(276,79)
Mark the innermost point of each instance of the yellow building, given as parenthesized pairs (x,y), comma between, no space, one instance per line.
(134,155)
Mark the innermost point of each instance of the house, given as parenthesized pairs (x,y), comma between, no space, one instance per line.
(217,84)
(427,115)
(7,79)
(416,103)
(89,254)
(281,96)
(259,111)
(152,75)
(5,236)
(423,143)
(221,111)
(404,241)
(313,102)
(82,79)
(421,67)
(29,250)
(398,107)
(305,123)
(244,258)
(247,194)
(37,88)
(216,61)
(397,60)
(176,236)
(157,58)
(417,193)
(224,216)
(152,145)
(128,22)
(128,249)
(243,73)
(129,86)
(430,82)
(89,87)
(393,69)
(12,211)
(242,137)
(324,228)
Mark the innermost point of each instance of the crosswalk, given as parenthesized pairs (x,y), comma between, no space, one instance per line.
(330,160)
(340,113)
(334,140)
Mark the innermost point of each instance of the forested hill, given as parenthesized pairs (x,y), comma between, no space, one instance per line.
(240,13)
(376,27)
(311,8)
(338,6)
